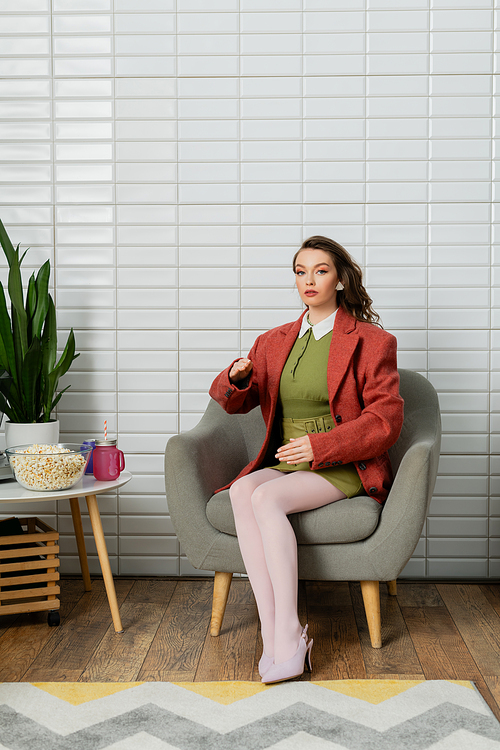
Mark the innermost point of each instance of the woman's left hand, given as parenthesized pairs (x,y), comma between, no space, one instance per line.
(296,451)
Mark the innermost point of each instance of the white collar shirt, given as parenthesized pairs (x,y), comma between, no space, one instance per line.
(320,329)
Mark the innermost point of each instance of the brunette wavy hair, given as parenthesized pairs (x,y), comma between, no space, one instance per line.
(354,297)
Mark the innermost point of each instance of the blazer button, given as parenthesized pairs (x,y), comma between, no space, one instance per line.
(327,463)
(372,490)
(320,465)
(362,466)
(228,393)
(338,418)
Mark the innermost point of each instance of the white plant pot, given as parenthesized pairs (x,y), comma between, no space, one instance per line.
(23,433)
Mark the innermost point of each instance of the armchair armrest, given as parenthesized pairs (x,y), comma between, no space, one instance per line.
(197,463)
(405,510)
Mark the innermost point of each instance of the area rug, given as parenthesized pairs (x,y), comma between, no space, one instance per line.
(333,715)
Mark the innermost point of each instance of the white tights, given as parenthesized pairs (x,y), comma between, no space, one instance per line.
(261,502)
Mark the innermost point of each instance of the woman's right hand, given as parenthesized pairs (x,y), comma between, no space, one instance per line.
(240,370)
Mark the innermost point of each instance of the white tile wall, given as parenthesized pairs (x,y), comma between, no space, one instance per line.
(169,156)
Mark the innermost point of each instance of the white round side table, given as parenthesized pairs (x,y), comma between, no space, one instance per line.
(90,488)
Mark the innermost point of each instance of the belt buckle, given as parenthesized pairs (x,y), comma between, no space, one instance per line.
(310,425)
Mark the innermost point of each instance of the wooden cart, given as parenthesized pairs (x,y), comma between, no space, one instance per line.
(28,570)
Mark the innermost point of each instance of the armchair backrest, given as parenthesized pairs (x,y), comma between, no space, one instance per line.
(239,438)
(421,415)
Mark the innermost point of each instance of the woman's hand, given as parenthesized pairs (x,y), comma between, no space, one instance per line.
(296,451)
(240,370)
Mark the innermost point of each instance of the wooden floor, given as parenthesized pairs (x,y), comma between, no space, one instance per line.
(430,631)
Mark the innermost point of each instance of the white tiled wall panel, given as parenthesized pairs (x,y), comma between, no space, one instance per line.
(169,156)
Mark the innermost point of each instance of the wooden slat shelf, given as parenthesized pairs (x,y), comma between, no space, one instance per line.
(30,565)
(35,551)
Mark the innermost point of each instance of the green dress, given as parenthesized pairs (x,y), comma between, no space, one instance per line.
(305,408)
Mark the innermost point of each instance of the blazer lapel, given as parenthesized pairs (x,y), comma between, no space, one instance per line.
(283,349)
(344,342)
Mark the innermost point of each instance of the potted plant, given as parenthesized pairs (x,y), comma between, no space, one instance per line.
(28,353)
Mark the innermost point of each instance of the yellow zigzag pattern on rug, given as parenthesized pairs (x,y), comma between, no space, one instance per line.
(365,714)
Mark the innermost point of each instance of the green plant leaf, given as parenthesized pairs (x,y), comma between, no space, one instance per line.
(30,304)
(67,356)
(5,408)
(19,349)
(31,368)
(7,245)
(31,297)
(10,395)
(49,338)
(19,317)
(28,342)
(42,298)
(65,359)
(56,401)
(16,410)
(7,353)
(60,369)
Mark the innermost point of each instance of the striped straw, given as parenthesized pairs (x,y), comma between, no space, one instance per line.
(105,429)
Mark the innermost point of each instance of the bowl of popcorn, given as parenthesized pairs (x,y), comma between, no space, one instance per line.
(44,468)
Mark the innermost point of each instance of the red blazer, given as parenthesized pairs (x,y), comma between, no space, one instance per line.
(363,388)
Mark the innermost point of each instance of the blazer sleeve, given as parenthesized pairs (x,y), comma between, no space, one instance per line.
(236,398)
(379,424)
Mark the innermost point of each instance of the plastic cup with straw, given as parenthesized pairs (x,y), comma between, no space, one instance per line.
(109,461)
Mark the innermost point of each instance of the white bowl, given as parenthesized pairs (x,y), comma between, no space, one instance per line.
(48,468)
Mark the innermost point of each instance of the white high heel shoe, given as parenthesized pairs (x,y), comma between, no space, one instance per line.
(264,664)
(293,667)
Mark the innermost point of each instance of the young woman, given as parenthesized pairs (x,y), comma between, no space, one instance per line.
(329,392)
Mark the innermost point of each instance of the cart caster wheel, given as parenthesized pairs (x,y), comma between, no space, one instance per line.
(53,618)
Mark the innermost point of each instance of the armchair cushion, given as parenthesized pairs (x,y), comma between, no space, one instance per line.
(348,520)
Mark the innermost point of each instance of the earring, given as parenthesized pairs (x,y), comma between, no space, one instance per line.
(339,286)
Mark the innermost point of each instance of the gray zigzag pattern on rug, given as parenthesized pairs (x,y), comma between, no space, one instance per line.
(18,732)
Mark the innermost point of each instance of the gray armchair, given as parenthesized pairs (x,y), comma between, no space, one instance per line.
(352,540)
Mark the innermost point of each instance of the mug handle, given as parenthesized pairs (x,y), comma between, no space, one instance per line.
(122,460)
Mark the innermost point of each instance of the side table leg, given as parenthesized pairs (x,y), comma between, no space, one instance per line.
(95,520)
(80,542)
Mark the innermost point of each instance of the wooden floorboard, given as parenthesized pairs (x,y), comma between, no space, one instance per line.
(176,650)
(477,622)
(439,645)
(398,656)
(29,635)
(119,656)
(71,647)
(418,595)
(339,654)
(231,655)
(431,631)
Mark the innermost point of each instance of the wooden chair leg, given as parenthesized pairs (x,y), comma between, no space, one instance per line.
(371,600)
(80,542)
(222,584)
(392,588)
(102,552)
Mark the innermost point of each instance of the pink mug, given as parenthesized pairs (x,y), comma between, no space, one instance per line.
(109,461)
